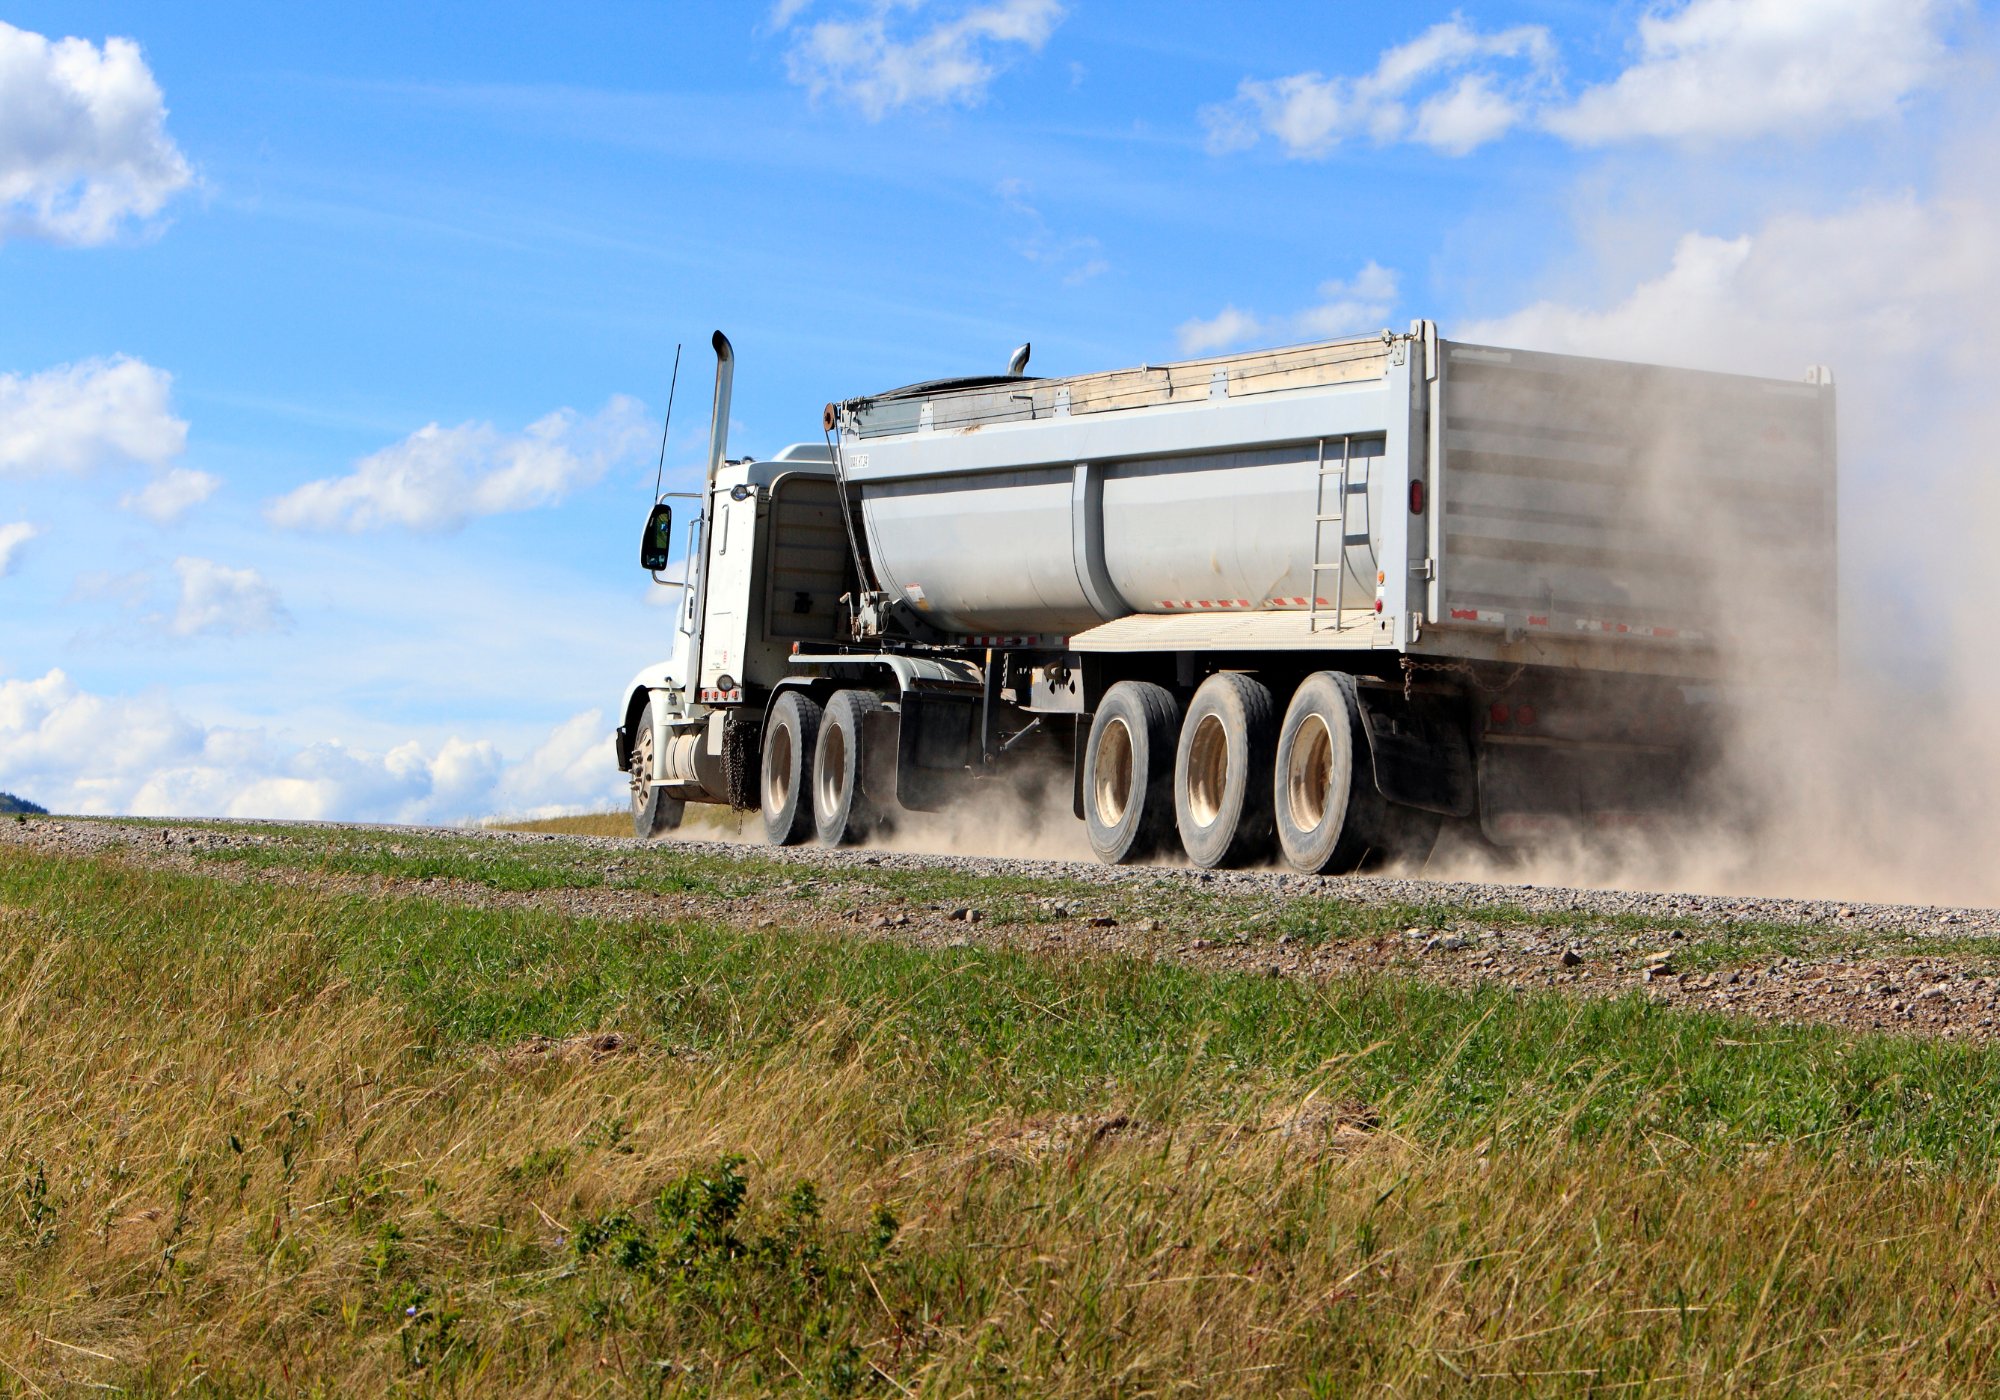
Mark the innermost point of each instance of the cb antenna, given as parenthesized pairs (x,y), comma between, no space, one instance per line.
(659,472)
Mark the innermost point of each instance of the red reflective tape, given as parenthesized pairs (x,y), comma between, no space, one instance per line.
(1465,615)
(1534,621)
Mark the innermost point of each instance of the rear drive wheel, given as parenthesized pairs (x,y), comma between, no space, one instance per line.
(1128,772)
(847,811)
(653,812)
(1222,798)
(1330,817)
(785,785)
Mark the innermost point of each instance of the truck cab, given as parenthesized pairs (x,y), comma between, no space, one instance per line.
(773,566)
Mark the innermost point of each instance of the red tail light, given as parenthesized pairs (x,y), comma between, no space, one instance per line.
(1416,498)
(1499,715)
(1524,715)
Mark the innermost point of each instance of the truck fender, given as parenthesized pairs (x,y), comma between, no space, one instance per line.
(627,731)
(1419,751)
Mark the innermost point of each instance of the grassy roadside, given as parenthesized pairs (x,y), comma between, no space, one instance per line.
(281,1140)
(1306,921)
(701,819)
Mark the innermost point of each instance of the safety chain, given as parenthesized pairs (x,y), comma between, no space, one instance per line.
(1411,666)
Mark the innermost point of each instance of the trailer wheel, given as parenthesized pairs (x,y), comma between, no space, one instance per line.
(1222,803)
(847,811)
(653,812)
(1331,819)
(1128,772)
(790,736)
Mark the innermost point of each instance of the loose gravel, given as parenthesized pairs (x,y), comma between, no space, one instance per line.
(1896,967)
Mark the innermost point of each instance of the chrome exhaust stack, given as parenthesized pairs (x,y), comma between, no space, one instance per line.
(718,422)
(718,444)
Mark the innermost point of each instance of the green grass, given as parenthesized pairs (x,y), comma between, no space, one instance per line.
(262,1138)
(994,1030)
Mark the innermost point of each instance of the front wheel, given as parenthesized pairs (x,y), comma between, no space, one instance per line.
(653,812)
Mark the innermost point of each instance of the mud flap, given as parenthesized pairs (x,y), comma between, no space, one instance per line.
(1420,754)
(935,748)
(1530,793)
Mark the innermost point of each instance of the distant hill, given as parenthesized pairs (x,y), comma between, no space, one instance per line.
(12,806)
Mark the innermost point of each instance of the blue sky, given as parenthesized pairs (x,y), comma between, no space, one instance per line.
(334,343)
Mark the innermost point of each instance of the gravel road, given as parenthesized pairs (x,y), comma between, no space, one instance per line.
(1905,968)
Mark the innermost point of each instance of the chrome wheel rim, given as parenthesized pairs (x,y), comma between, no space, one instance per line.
(642,769)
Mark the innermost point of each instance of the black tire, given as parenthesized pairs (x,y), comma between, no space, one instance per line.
(1331,818)
(791,734)
(653,812)
(1222,766)
(1128,772)
(846,809)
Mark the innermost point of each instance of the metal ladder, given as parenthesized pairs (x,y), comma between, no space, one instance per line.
(1321,565)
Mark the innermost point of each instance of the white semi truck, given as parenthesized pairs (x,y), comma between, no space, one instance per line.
(1309,603)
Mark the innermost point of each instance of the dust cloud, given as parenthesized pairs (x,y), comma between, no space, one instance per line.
(1880,782)
(1875,777)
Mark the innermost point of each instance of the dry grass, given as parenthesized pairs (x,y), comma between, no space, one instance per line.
(249,1145)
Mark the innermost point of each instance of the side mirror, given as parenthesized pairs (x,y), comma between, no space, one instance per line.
(657,545)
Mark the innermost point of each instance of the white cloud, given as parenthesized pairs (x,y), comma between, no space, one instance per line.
(53,736)
(83,142)
(12,538)
(1882,282)
(1347,307)
(438,478)
(884,57)
(198,597)
(1229,326)
(1705,70)
(77,417)
(1451,87)
(219,600)
(565,773)
(167,498)
(1727,69)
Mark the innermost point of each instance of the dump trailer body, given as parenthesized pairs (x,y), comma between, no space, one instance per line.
(1394,492)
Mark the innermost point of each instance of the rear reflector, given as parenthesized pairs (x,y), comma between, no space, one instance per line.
(1416,498)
